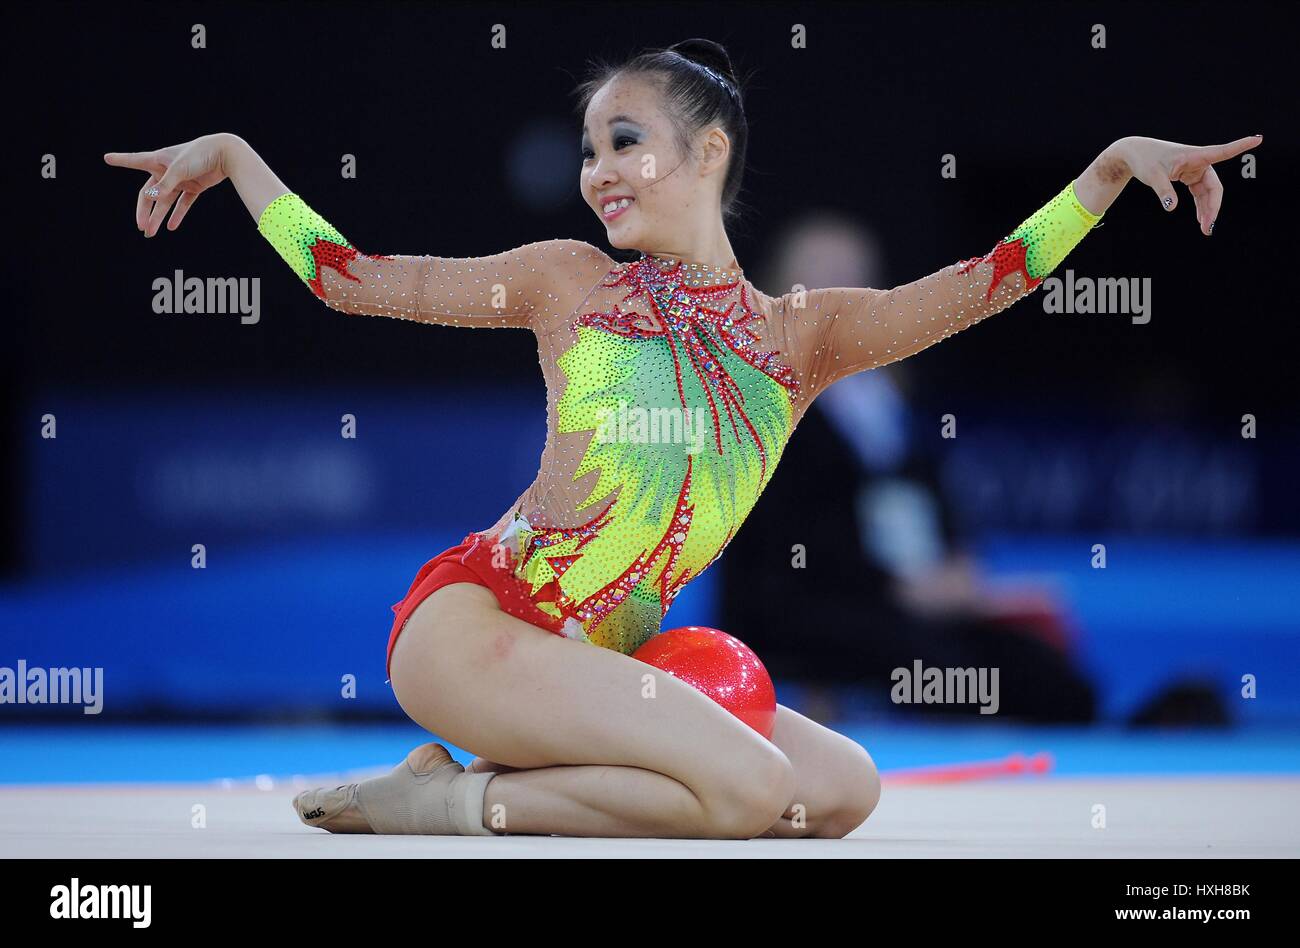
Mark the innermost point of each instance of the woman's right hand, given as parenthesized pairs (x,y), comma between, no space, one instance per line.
(177,174)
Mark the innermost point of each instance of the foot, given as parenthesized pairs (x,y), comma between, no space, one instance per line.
(428,793)
(335,810)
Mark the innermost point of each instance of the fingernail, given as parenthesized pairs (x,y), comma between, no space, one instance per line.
(1212,227)
(1167,202)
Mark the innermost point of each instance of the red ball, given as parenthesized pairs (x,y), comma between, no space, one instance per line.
(719,665)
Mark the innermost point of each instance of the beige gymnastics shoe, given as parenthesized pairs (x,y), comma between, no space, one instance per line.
(427,794)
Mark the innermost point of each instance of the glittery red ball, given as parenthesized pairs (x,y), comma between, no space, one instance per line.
(719,665)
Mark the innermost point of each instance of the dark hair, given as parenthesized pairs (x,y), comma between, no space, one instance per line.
(700,89)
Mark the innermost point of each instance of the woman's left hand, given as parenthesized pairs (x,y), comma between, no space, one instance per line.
(1159,164)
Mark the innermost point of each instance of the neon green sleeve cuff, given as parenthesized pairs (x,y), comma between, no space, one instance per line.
(1053,231)
(302,237)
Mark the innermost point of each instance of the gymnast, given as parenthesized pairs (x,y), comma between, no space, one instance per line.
(515,644)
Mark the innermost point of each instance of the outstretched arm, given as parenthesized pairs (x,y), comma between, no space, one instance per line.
(524,287)
(845,330)
(515,288)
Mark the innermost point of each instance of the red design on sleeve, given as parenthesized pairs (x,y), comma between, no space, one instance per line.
(1007,257)
(326,253)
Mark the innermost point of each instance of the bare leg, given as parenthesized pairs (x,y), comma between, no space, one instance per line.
(607,745)
(836,783)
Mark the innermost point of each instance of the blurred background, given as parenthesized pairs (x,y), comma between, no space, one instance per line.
(975,550)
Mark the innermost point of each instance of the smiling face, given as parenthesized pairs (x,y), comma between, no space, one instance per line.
(631,158)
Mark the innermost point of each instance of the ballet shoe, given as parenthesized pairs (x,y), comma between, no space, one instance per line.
(428,793)
(332,809)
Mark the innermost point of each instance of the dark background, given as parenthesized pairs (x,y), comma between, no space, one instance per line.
(858,122)
(467,150)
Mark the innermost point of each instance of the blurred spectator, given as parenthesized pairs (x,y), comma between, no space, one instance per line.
(886,581)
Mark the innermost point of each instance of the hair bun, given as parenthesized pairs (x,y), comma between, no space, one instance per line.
(707,53)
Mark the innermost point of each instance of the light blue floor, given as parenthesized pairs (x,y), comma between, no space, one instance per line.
(121,753)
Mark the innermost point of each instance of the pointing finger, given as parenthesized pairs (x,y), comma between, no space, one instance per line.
(1216,153)
(141,160)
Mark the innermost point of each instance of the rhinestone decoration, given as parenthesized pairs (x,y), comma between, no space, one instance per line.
(701,377)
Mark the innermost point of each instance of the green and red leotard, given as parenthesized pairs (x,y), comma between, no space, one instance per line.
(672,387)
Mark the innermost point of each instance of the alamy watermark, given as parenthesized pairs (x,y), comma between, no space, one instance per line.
(215,295)
(636,425)
(34,685)
(921,685)
(1102,296)
(78,900)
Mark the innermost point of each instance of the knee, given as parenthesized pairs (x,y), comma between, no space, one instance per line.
(859,795)
(753,798)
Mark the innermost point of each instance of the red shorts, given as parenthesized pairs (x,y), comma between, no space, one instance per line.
(471,562)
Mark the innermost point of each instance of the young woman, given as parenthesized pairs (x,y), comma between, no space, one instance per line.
(492,648)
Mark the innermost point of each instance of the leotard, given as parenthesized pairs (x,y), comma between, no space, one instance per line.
(672,387)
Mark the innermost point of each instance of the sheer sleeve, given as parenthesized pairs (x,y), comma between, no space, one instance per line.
(844,330)
(523,287)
